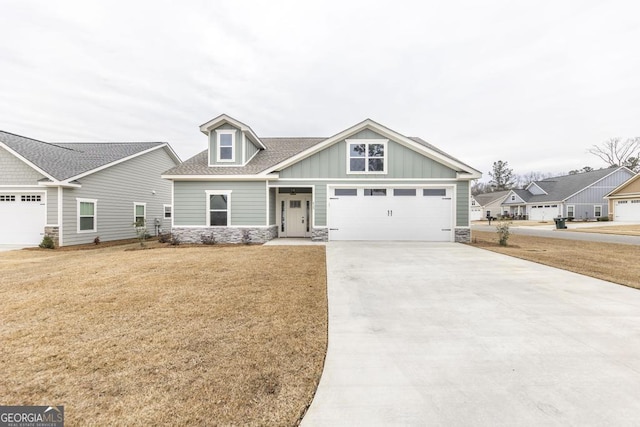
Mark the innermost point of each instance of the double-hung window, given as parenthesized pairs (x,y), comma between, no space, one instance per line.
(218,208)
(226,143)
(367,156)
(597,211)
(87,209)
(139,214)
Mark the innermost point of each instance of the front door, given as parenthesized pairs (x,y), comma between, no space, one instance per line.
(296,212)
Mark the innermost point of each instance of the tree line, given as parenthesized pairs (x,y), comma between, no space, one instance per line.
(614,152)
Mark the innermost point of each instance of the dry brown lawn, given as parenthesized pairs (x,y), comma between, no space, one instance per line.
(171,336)
(608,261)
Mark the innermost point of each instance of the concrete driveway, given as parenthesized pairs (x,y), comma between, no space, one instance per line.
(5,247)
(449,335)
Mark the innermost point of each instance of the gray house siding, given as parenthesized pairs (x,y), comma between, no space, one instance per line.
(116,189)
(402,162)
(248,202)
(585,200)
(52,205)
(250,149)
(213,139)
(272,206)
(14,171)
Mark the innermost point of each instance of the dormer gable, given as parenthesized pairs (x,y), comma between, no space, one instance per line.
(513,198)
(535,189)
(231,142)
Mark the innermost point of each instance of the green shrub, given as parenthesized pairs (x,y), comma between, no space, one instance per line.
(47,243)
(603,218)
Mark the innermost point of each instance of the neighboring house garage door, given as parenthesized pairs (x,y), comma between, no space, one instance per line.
(22,218)
(379,213)
(627,210)
(543,212)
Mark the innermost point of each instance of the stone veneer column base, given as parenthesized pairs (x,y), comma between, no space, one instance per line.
(210,235)
(463,235)
(320,235)
(54,233)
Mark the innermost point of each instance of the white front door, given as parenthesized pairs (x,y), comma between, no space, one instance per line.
(295,215)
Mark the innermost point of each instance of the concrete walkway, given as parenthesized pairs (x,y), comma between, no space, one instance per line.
(451,335)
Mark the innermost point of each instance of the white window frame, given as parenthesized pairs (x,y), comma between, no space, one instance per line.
(164,211)
(367,142)
(595,207)
(573,208)
(231,132)
(210,193)
(95,215)
(135,223)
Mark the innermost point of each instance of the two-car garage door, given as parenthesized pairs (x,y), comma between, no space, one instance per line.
(424,214)
(22,218)
(627,210)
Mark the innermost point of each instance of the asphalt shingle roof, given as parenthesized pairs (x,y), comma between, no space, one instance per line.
(486,198)
(278,150)
(561,187)
(67,160)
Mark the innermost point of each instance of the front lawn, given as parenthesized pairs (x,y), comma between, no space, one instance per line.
(171,336)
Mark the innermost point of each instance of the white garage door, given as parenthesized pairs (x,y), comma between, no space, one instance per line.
(627,210)
(424,214)
(543,212)
(22,218)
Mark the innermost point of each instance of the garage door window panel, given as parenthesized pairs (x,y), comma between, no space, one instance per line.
(375,191)
(367,157)
(87,216)
(404,191)
(7,198)
(346,192)
(434,192)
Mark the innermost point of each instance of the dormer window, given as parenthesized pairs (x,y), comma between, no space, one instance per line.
(226,145)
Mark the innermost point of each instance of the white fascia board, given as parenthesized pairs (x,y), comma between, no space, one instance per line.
(26,161)
(206,127)
(60,184)
(218,177)
(383,131)
(108,165)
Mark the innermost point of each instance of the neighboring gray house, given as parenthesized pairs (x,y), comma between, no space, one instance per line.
(367,182)
(489,204)
(76,192)
(579,196)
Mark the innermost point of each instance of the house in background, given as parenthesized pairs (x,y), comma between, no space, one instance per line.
(489,204)
(579,196)
(624,201)
(367,182)
(76,192)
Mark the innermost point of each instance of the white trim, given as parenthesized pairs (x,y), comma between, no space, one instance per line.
(534,183)
(60,213)
(173,214)
(39,188)
(164,211)
(27,162)
(244,149)
(594,211)
(144,205)
(218,177)
(210,193)
(95,215)
(254,154)
(621,186)
(219,133)
(383,131)
(287,197)
(383,142)
(266,186)
(368,179)
(206,127)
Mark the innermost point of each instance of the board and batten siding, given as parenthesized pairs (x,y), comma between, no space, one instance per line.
(116,189)
(402,162)
(213,146)
(585,200)
(250,149)
(248,202)
(14,171)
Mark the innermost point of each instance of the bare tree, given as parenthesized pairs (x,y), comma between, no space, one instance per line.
(616,152)
(525,179)
(480,188)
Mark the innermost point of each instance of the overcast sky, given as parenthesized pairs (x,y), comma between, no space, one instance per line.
(534,83)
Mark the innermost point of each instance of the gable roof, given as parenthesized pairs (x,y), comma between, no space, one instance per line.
(487,198)
(622,186)
(279,153)
(68,161)
(560,188)
(213,123)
